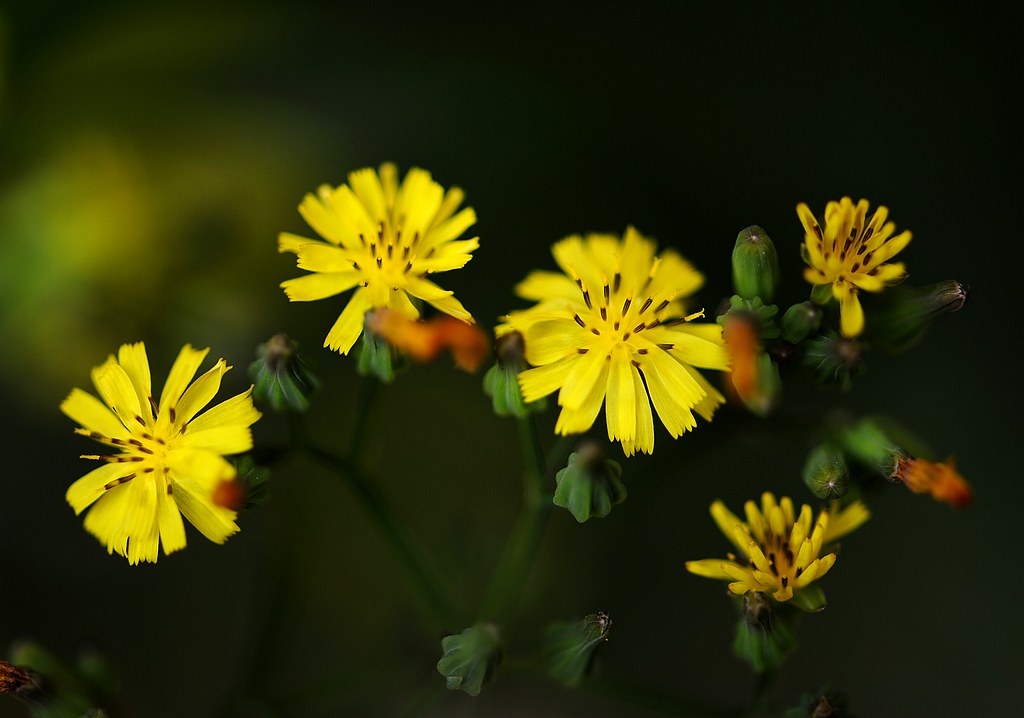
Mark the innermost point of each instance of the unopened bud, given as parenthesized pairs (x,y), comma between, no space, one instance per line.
(571,646)
(469,658)
(590,484)
(281,377)
(800,321)
(866,442)
(763,637)
(501,382)
(903,314)
(836,359)
(825,472)
(755,264)
(376,357)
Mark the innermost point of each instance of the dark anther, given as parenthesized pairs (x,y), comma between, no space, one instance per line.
(604,313)
(579,321)
(616,282)
(582,351)
(625,306)
(641,351)
(646,305)
(586,298)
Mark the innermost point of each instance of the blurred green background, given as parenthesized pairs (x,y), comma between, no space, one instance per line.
(150,153)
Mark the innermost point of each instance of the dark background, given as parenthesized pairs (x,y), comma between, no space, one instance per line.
(150,154)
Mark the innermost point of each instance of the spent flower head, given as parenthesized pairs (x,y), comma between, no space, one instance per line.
(612,329)
(779,550)
(850,254)
(383,239)
(171,457)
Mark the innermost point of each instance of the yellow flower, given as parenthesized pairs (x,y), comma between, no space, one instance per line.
(618,317)
(780,550)
(851,256)
(383,239)
(170,461)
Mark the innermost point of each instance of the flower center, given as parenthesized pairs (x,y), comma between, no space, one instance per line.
(389,256)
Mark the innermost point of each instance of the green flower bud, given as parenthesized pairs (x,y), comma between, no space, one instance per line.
(281,377)
(469,658)
(825,472)
(501,382)
(763,314)
(835,359)
(377,358)
(589,485)
(254,480)
(763,637)
(800,321)
(571,646)
(755,264)
(902,315)
(866,442)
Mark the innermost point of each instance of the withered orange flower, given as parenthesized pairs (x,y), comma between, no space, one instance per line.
(423,341)
(740,334)
(939,479)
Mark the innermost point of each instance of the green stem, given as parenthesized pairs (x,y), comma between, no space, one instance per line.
(365,394)
(405,546)
(509,578)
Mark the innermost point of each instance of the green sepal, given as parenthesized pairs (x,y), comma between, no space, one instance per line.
(501,383)
(869,444)
(469,658)
(571,646)
(810,598)
(902,315)
(800,321)
(281,377)
(755,264)
(763,637)
(589,485)
(256,480)
(821,294)
(835,359)
(825,472)
(377,358)
(764,314)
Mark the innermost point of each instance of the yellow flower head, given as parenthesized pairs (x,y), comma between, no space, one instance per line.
(780,551)
(614,316)
(851,256)
(170,461)
(384,239)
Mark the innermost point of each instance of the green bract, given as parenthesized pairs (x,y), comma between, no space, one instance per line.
(470,657)
(589,485)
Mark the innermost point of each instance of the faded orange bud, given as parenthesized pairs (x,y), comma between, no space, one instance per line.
(741,341)
(12,678)
(229,495)
(423,341)
(941,480)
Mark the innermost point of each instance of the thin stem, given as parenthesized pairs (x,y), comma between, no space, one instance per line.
(402,542)
(365,394)
(509,578)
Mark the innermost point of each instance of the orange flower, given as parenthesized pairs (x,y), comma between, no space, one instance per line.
(740,334)
(424,340)
(941,480)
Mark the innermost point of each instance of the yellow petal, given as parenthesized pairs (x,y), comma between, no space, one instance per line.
(320,257)
(228,439)
(677,418)
(288,242)
(452,199)
(106,519)
(367,187)
(556,339)
(172,528)
(184,368)
(312,287)
(116,389)
(214,522)
(727,522)
(545,285)
(448,230)
(644,434)
(582,380)
(349,325)
(132,358)
(621,401)
(440,298)
(846,520)
(709,568)
(199,394)
(89,412)
(851,315)
(204,469)
(92,486)
(539,382)
(576,420)
(236,411)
